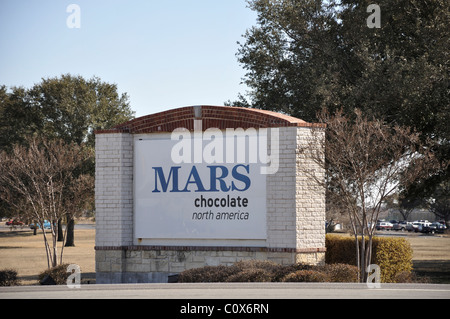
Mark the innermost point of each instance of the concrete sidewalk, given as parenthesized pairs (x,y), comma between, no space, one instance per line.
(230,291)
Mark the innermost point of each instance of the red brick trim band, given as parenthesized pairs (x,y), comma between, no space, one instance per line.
(210,248)
(221,117)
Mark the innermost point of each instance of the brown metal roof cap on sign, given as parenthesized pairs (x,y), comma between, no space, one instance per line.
(220,117)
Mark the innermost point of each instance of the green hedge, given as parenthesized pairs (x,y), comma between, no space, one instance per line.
(393,255)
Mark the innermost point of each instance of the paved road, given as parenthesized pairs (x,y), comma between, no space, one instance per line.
(230,291)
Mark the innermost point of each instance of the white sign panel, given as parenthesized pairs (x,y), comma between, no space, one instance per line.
(197,200)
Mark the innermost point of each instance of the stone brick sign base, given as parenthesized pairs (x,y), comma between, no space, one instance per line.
(137,264)
(294,206)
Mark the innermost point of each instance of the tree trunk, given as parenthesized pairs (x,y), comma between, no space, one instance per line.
(357,256)
(55,254)
(70,240)
(369,253)
(47,249)
(55,245)
(363,259)
(60,231)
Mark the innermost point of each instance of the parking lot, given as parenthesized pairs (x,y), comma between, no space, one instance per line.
(418,226)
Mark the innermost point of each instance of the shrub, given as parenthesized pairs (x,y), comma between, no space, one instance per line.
(206,274)
(285,270)
(267,265)
(58,273)
(341,272)
(267,271)
(340,250)
(306,276)
(393,255)
(8,277)
(251,275)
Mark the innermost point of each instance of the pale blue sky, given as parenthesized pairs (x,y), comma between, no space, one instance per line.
(164,54)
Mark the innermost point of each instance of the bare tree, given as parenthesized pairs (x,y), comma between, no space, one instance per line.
(45,179)
(365,162)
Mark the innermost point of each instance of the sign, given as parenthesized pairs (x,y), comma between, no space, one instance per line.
(197,199)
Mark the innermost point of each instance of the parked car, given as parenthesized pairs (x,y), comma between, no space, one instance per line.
(417,225)
(14,222)
(47,225)
(402,226)
(433,228)
(384,226)
(411,227)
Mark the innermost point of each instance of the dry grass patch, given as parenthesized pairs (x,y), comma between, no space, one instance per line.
(25,253)
(431,257)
